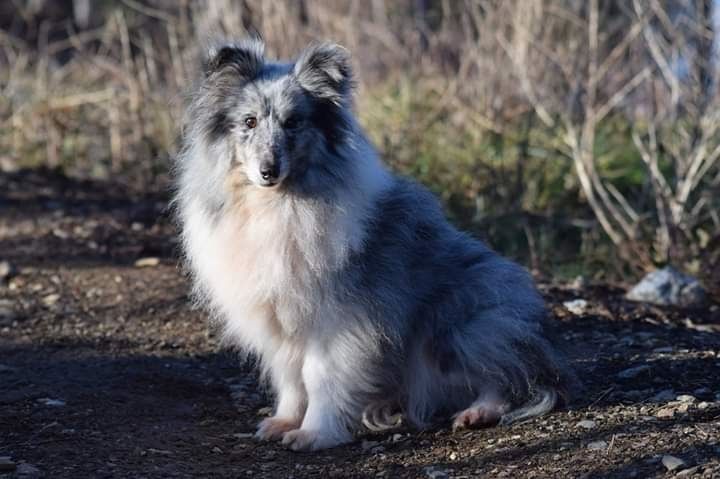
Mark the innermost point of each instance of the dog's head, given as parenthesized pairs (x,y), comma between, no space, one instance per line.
(277,120)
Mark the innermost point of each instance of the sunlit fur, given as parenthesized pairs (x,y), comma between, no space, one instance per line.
(360,301)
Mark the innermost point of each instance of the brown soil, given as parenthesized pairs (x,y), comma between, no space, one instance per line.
(107,371)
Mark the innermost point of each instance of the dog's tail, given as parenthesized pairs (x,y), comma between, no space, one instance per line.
(382,416)
(544,401)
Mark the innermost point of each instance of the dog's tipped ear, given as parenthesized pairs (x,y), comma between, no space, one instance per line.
(244,58)
(324,70)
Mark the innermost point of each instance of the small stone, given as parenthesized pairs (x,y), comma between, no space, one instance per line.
(664,396)
(683,408)
(6,270)
(586,424)
(397,437)
(688,472)
(7,464)
(580,282)
(28,470)
(51,402)
(663,350)
(703,405)
(633,372)
(597,445)
(367,445)
(668,287)
(453,456)
(51,299)
(217,450)
(147,262)
(665,412)
(7,313)
(576,306)
(161,452)
(686,398)
(434,472)
(672,463)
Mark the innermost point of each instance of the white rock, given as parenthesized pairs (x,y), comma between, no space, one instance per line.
(434,472)
(6,269)
(668,287)
(665,412)
(597,445)
(51,402)
(586,424)
(576,306)
(51,299)
(672,463)
(686,398)
(687,472)
(147,262)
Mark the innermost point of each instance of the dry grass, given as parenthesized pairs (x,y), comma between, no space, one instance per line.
(443,92)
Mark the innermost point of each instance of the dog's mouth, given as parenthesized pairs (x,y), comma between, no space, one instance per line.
(268,183)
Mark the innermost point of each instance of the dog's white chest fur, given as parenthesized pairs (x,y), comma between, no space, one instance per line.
(264,264)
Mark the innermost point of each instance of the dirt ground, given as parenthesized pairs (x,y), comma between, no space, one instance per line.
(106,370)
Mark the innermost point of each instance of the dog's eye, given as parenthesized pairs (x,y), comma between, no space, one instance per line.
(291,122)
(251,122)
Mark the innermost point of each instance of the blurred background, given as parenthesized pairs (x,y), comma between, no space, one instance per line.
(578,137)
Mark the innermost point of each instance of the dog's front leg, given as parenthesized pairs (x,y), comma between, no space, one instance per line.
(290,400)
(326,422)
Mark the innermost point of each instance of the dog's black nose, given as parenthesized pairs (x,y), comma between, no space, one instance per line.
(269,171)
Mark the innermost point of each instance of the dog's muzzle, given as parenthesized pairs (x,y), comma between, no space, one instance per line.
(270,173)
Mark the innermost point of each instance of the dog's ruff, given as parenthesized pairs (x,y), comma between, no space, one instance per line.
(362,304)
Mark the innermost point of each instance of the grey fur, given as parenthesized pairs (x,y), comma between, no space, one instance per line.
(347,282)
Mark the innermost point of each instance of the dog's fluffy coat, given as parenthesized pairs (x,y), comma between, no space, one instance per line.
(347,283)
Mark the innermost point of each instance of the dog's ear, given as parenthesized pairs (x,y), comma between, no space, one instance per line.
(244,58)
(324,71)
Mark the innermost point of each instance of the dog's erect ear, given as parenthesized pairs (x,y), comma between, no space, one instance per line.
(324,70)
(244,58)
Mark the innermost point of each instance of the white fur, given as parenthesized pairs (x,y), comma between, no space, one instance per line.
(263,268)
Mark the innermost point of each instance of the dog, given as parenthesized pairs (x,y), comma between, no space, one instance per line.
(361,303)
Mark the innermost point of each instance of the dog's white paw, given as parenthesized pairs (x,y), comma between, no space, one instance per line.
(309,440)
(301,440)
(273,428)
